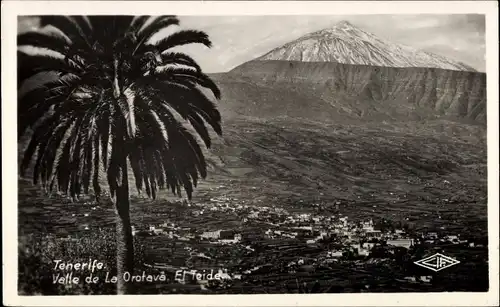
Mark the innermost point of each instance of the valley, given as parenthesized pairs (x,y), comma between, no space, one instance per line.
(430,176)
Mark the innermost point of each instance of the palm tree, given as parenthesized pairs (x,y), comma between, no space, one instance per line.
(112,99)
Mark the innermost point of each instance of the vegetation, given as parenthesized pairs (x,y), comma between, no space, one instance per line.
(109,97)
(37,255)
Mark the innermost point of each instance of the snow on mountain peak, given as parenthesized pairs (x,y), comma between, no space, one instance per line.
(345,43)
(344,25)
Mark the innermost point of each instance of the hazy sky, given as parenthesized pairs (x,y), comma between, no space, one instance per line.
(241,38)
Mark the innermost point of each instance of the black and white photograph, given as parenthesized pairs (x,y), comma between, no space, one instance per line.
(182,154)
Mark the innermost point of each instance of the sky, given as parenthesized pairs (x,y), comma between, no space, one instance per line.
(238,39)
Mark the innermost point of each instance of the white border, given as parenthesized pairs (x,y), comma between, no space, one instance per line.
(10,11)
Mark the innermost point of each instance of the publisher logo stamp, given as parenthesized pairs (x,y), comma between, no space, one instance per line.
(437,262)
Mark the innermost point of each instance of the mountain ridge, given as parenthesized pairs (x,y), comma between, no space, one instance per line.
(335,92)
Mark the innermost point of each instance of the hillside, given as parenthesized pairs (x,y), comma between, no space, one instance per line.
(414,169)
(333,92)
(348,44)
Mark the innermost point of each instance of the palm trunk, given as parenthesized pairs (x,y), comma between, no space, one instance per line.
(124,238)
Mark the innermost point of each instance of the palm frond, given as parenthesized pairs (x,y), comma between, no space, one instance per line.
(182,38)
(137,23)
(188,77)
(188,100)
(29,65)
(65,166)
(49,150)
(63,170)
(35,104)
(46,40)
(97,165)
(179,59)
(104,127)
(145,34)
(136,161)
(199,126)
(187,154)
(53,167)
(72,26)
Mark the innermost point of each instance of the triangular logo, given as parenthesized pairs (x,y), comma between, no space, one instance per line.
(437,262)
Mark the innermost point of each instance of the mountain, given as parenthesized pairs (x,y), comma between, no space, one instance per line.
(345,74)
(347,44)
(309,131)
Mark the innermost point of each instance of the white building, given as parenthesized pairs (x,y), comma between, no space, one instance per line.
(406,243)
(368,226)
(322,235)
(157,231)
(363,252)
(334,254)
(304,228)
(236,239)
(211,234)
(374,234)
